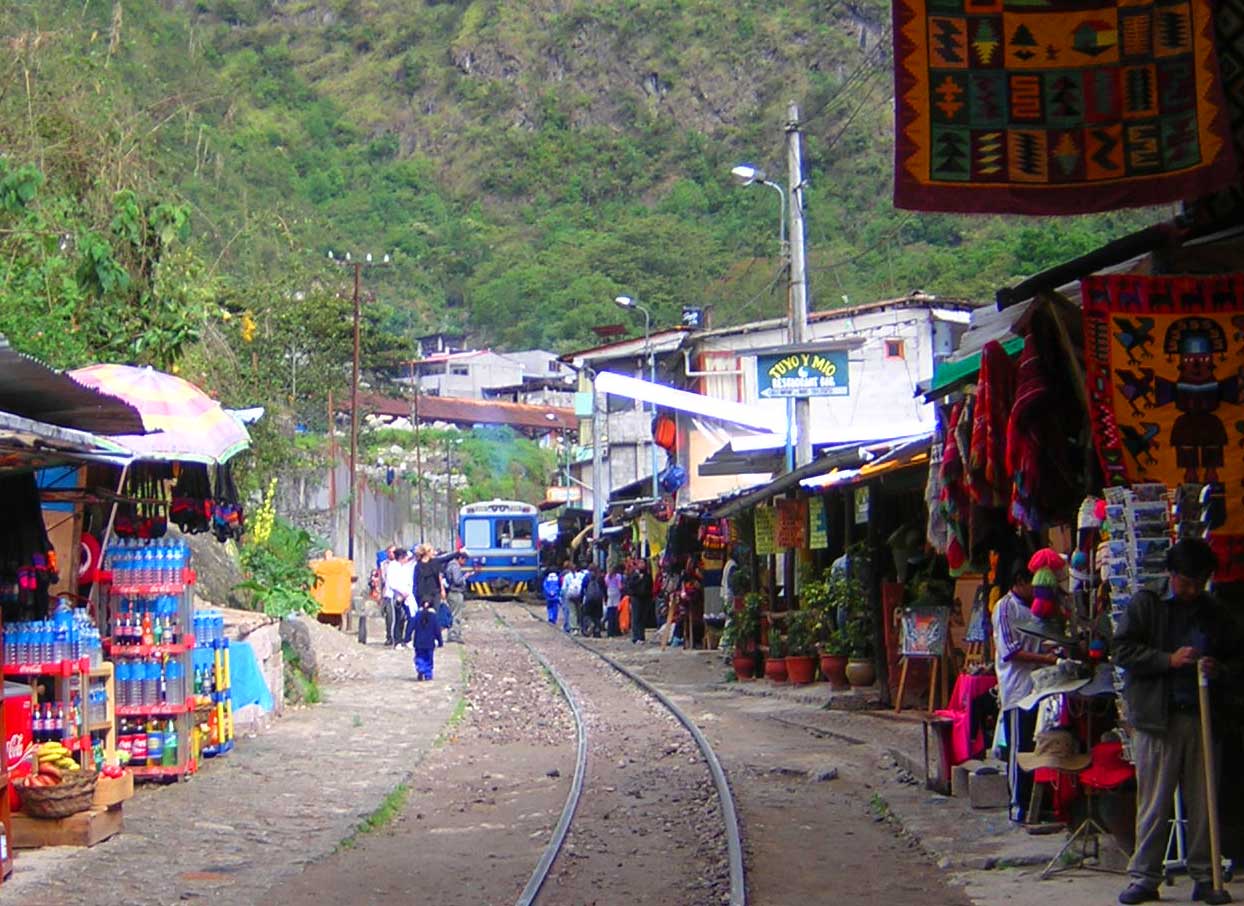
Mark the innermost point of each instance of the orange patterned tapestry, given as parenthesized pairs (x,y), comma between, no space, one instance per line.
(1165,363)
(1056,106)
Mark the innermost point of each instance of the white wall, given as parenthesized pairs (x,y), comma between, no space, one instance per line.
(881,402)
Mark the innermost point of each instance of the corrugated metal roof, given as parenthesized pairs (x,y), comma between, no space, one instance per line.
(33,390)
(26,443)
(463,411)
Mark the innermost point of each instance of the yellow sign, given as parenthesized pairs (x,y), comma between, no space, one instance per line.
(818,524)
(766,530)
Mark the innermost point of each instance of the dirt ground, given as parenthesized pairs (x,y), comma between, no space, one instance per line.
(482,805)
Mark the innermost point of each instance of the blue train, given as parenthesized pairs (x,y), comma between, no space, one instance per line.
(501,538)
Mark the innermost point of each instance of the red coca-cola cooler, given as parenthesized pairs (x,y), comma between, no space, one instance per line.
(18,733)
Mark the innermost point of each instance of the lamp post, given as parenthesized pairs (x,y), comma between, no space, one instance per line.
(358,265)
(628,302)
(798,410)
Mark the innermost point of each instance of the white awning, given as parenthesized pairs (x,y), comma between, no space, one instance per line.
(695,403)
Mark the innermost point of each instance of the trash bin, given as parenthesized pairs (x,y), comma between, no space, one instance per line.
(336,574)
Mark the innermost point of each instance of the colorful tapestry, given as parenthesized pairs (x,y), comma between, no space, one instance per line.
(1056,106)
(1165,365)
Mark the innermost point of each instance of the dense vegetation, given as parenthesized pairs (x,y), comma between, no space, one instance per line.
(175,172)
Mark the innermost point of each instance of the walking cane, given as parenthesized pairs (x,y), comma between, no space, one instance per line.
(1211,786)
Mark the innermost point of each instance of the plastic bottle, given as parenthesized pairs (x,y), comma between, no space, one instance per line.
(170,744)
(175,679)
(155,742)
(138,744)
(162,693)
(10,645)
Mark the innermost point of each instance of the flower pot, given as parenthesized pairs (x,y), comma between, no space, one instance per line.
(744,667)
(775,669)
(800,668)
(861,672)
(834,669)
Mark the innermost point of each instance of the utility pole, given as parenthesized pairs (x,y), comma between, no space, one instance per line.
(414,424)
(598,462)
(354,418)
(354,391)
(798,275)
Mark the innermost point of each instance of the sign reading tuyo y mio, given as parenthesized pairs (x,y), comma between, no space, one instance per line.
(802,374)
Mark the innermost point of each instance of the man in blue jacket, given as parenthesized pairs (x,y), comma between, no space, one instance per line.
(1160,639)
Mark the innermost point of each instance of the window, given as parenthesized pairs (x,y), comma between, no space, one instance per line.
(460,370)
(554,366)
(476,534)
(894,349)
(513,533)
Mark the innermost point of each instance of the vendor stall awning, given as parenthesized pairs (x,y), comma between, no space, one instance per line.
(26,443)
(846,456)
(952,374)
(32,390)
(911,452)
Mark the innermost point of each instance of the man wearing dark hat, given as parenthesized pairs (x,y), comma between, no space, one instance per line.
(1158,643)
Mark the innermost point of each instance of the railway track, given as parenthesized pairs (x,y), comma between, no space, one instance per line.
(600,811)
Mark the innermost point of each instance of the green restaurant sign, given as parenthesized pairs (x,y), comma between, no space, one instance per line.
(798,374)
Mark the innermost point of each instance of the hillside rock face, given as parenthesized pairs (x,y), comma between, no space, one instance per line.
(217,571)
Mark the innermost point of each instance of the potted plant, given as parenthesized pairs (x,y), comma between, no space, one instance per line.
(742,634)
(860,668)
(775,662)
(801,647)
(834,652)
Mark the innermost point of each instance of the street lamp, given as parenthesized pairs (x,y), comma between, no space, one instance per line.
(629,303)
(794,256)
(354,390)
(746,175)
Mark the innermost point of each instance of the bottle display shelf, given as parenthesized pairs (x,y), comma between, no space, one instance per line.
(51,668)
(149,650)
(163,709)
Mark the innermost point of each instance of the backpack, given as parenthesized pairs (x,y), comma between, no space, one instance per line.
(595,591)
(574,585)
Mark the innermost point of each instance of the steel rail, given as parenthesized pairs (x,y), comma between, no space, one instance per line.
(541,872)
(729,815)
(734,843)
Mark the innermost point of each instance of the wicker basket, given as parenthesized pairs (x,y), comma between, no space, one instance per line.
(73,794)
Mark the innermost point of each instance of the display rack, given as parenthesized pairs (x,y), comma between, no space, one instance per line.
(213,696)
(154,699)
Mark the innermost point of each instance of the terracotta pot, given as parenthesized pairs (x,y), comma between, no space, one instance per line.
(834,670)
(744,667)
(861,672)
(800,668)
(775,669)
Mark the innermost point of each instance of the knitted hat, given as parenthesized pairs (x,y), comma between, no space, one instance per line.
(1045,565)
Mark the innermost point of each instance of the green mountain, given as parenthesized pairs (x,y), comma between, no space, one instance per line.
(175,172)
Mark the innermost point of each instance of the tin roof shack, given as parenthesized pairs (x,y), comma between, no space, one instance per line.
(626,435)
(861,368)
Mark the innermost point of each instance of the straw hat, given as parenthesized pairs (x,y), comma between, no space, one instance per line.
(1055,749)
(1064,677)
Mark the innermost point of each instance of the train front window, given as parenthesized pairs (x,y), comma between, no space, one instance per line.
(476,534)
(514,533)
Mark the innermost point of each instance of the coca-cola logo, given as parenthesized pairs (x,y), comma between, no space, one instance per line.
(14,748)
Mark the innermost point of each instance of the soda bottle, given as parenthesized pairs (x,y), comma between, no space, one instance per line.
(148,635)
(155,743)
(138,746)
(170,744)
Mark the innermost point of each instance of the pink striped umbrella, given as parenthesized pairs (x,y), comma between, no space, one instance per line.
(188,424)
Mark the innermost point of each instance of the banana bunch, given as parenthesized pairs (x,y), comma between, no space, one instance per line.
(56,754)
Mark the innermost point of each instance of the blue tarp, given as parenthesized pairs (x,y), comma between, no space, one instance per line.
(248,685)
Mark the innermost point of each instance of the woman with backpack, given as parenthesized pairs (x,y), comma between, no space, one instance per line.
(593,602)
